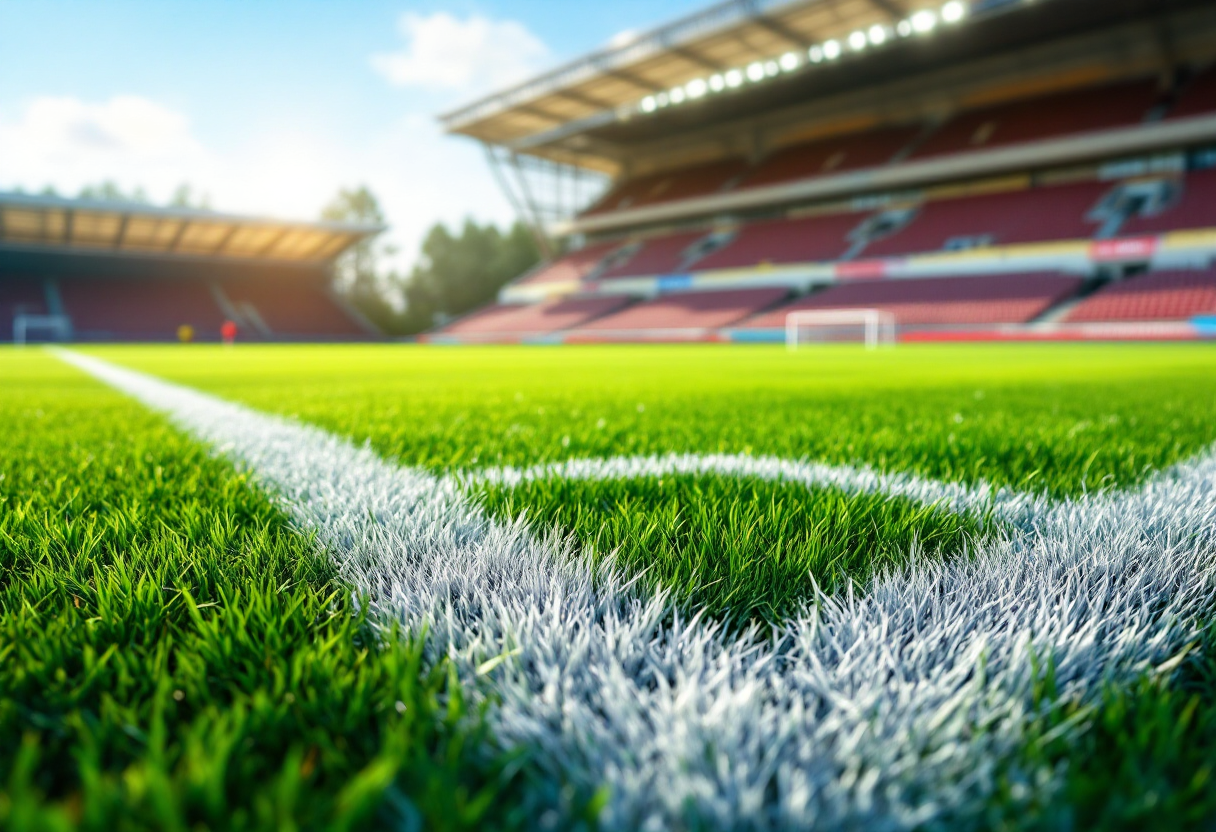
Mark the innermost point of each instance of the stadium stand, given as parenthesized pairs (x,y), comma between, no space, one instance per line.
(686,311)
(1055,212)
(139,309)
(684,183)
(291,308)
(1003,299)
(572,267)
(804,240)
(1155,296)
(19,296)
(505,320)
(834,155)
(658,255)
(1198,97)
(1078,111)
(1194,208)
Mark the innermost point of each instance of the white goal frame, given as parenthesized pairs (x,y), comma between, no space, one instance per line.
(57,324)
(878,323)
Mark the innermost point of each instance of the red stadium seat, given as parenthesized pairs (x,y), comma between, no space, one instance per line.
(1198,98)
(689,310)
(538,319)
(1156,296)
(571,267)
(1195,208)
(294,307)
(1056,212)
(140,308)
(827,156)
(805,240)
(996,299)
(684,183)
(1116,105)
(658,255)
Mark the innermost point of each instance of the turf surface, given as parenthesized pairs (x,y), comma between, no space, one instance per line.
(173,656)
(1057,419)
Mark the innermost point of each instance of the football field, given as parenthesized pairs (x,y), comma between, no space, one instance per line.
(634,587)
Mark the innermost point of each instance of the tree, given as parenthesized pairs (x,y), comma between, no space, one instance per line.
(460,273)
(184,197)
(110,191)
(359,272)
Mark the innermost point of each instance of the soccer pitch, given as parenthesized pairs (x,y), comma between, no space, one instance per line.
(634,587)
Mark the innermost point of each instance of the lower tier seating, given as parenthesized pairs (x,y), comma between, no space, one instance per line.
(572,267)
(657,255)
(19,296)
(1195,208)
(139,308)
(939,300)
(293,307)
(536,319)
(692,310)
(804,240)
(1156,296)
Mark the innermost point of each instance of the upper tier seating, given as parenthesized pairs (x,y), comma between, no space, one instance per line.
(691,310)
(683,183)
(1156,296)
(139,308)
(1195,208)
(658,255)
(538,319)
(572,267)
(804,240)
(939,300)
(833,155)
(19,295)
(1198,98)
(1056,212)
(293,306)
(1116,105)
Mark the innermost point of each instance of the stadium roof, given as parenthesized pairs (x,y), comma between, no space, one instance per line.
(53,224)
(741,58)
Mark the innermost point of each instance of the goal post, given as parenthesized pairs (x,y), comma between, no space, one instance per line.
(57,326)
(874,326)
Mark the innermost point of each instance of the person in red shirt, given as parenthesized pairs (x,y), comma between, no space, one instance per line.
(228,332)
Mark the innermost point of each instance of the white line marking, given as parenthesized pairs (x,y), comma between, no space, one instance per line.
(899,706)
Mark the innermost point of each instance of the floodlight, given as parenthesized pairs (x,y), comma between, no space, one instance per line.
(878,34)
(771,69)
(696,88)
(734,78)
(924,21)
(676,95)
(857,41)
(831,50)
(755,71)
(789,61)
(904,28)
(815,53)
(662,100)
(717,83)
(648,104)
(954,11)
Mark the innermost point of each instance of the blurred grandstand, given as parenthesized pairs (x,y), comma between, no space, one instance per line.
(994,169)
(105,271)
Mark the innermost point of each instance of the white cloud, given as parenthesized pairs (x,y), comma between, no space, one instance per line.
(66,142)
(446,53)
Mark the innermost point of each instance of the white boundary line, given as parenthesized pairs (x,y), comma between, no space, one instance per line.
(885,710)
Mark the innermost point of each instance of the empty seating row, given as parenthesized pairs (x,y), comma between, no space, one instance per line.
(510,320)
(1156,296)
(1001,299)
(1121,104)
(687,311)
(1039,214)
(293,307)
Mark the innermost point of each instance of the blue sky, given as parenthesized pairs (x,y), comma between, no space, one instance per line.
(269,106)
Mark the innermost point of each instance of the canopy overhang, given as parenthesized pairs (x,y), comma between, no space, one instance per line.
(46,224)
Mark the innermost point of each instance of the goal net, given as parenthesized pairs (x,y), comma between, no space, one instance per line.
(53,327)
(839,326)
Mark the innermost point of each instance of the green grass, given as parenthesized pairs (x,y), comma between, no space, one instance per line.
(1044,417)
(173,656)
(737,548)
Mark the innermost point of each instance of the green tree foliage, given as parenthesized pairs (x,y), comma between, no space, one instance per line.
(110,191)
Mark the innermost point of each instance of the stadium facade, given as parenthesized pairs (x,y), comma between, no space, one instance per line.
(78,270)
(993,169)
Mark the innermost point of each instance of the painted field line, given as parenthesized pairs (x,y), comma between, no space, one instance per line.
(883,710)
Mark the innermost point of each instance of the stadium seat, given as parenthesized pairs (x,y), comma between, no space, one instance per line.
(536,319)
(1156,296)
(683,183)
(1056,212)
(833,155)
(808,239)
(571,267)
(140,308)
(1078,111)
(657,255)
(1195,208)
(996,299)
(293,307)
(1198,97)
(688,310)
(19,296)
